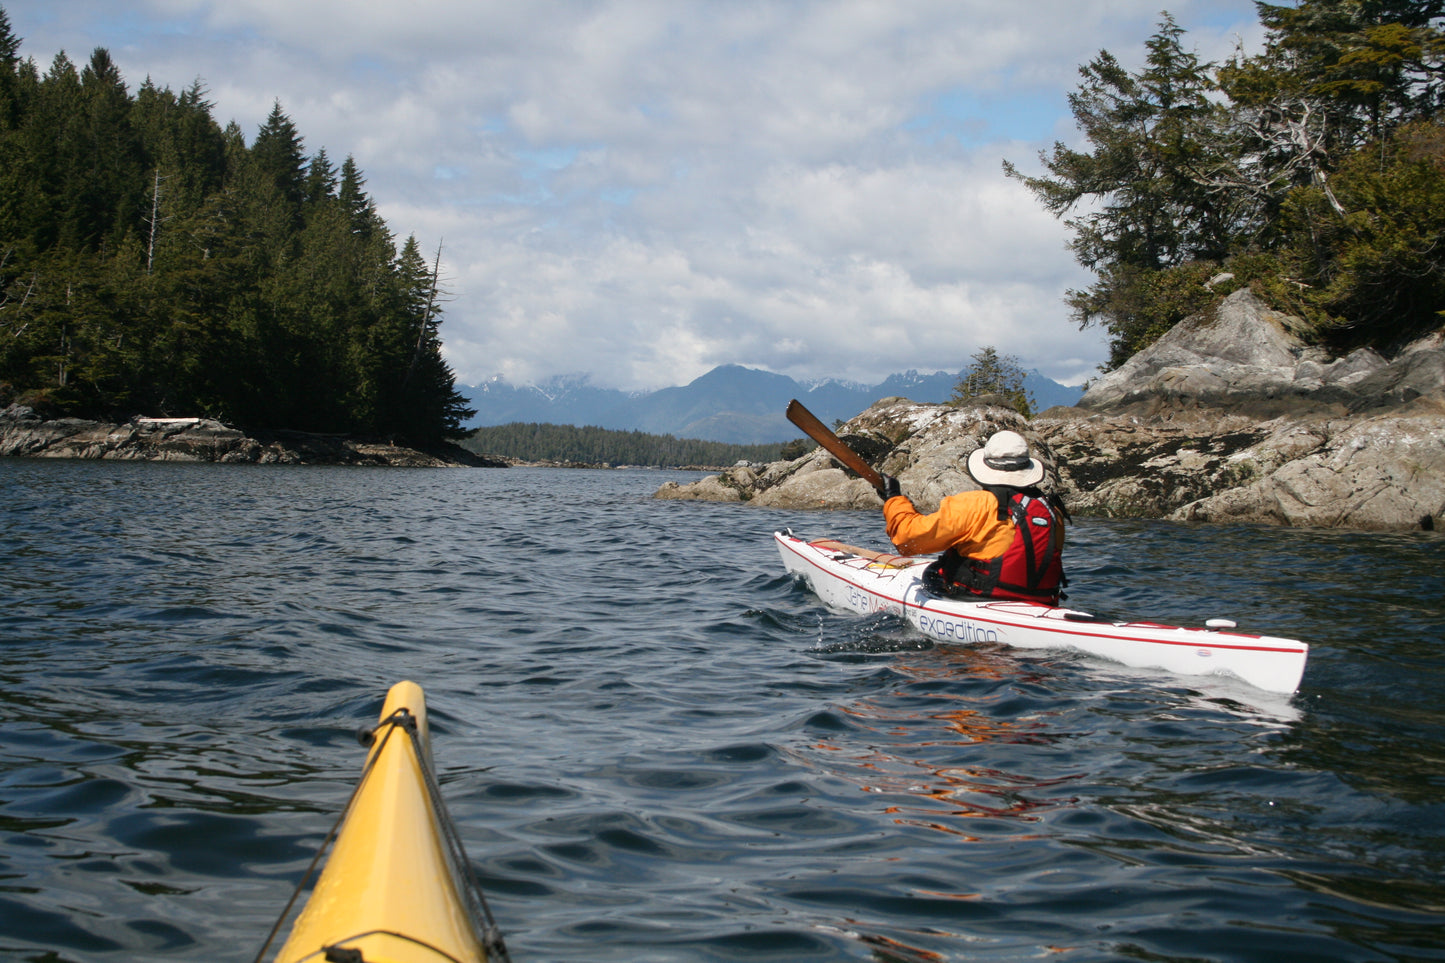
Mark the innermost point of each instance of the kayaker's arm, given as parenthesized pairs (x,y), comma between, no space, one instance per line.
(965,522)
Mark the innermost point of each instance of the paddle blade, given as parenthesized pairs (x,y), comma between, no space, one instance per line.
(832,444)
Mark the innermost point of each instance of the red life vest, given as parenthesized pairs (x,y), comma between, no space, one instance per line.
(1031,568)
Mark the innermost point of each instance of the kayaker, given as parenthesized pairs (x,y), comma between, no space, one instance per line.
(1004,540)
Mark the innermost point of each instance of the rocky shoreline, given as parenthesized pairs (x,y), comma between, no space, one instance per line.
(24,433)
(1230,417)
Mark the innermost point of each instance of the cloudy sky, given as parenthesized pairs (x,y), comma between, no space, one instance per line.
(640,190)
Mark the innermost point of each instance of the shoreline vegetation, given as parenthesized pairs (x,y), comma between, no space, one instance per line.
(535,443)
(25,433)
(1311,172)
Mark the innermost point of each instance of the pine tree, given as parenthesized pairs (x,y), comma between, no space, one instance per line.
(104,180)
(180,139)
(358,207)
(277,157)
(17,88)
(1145,130)
(320,180)
(994,374)
(1181,184)
(430,406)
(11,104)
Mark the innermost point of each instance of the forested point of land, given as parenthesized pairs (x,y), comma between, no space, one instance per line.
(1313,171)
(152,262)
(601,446)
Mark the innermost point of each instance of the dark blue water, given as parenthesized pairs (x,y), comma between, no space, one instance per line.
(658,747)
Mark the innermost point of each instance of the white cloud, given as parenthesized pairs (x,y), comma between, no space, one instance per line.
(643,189)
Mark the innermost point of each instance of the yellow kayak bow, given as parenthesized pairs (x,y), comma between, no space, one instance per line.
(397,887)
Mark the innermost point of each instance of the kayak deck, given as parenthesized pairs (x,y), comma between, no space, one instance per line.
(395,888)
(857,580)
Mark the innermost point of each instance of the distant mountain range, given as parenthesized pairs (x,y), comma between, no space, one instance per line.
(730,403)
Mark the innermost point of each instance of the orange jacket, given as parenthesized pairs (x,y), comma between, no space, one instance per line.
(967,522)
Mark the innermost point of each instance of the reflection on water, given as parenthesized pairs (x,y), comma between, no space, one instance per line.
(909,731)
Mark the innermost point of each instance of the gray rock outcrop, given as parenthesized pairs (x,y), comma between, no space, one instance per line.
(1230,417)
(923,445)
(1246,360)
(23,432)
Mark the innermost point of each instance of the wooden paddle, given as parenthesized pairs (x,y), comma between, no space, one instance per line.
(820,433)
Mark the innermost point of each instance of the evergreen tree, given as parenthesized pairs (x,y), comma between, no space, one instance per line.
(1371,64)
(9,44)
(1366,264)
(49,155)
(1150,206)
(277,157)
(320,180)
(994,374)
(426,394)
(233,150)
(182,142)
(17,88)
(1145,130)
(104,183)
(1293,180)
(360,212)
(11,104)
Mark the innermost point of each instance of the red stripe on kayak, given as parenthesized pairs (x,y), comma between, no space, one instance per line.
(1058,631)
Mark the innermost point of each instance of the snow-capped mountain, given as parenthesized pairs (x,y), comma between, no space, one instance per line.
(730,403)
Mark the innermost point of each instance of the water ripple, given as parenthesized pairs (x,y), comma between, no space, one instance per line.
(659,746)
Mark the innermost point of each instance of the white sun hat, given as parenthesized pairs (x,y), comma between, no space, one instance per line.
(1005,460)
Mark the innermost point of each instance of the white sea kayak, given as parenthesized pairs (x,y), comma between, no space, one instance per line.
(853,579)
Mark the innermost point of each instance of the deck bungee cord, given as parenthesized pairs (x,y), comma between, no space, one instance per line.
(463,894)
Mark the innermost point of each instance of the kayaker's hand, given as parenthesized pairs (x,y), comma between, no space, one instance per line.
(891,488)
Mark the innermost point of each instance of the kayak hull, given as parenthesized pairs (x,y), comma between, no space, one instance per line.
(391,888)
(851,579)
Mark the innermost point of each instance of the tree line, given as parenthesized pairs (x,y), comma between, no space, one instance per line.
(1313,171)
(153,262)
(530,441)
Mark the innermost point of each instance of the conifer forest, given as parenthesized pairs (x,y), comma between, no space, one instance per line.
(153,262)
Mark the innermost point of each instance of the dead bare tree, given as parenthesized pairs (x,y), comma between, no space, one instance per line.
(15,322)
(433,305)
(154,220)
(1272,149)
